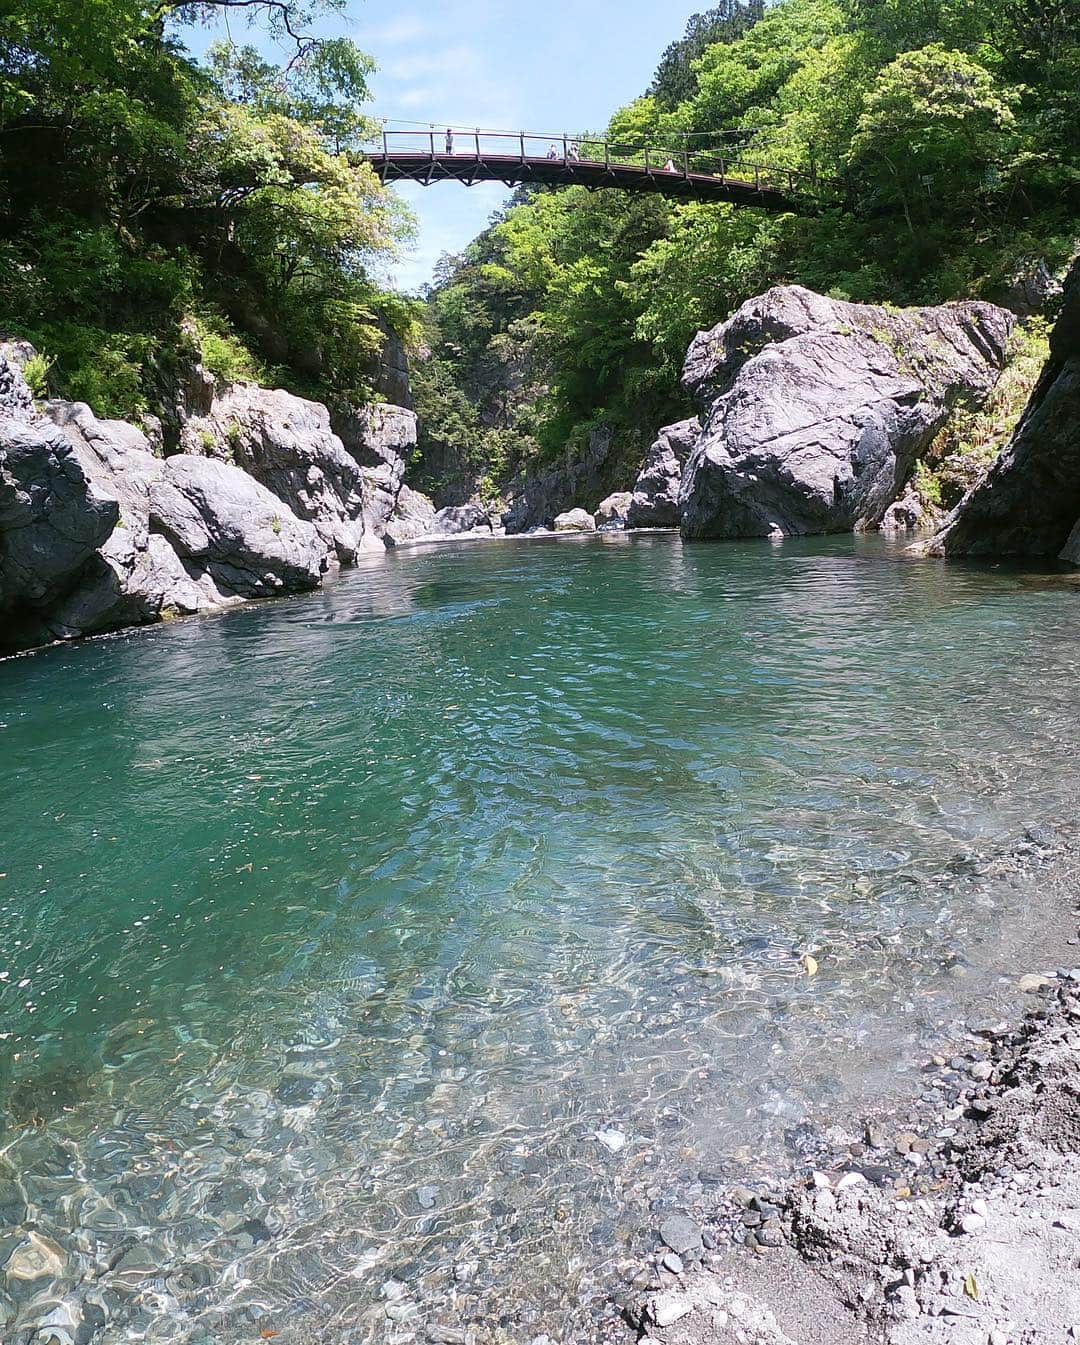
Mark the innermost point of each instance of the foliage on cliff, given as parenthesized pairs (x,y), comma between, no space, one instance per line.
(945,134)
(149,201)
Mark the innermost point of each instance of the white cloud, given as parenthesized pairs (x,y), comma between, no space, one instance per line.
(407,28)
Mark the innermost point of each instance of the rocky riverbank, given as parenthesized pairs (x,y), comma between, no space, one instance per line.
(954,1218)
(813,416)
(265,494)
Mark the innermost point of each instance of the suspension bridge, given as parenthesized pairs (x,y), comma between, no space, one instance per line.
(514,158)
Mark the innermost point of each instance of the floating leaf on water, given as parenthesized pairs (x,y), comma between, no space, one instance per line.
(971,1286)
(810,965)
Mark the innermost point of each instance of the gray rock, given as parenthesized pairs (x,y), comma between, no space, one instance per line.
(16,399)
(459,518)
(1031,289)
(380,438)
(654,501)
(610,513)
(535,498)
(1028,504)
(815,410)
(413,517)
(909,513)
(136,576)
(286,443)
(221,521)
(52,516)
(574,520)
(681,1234)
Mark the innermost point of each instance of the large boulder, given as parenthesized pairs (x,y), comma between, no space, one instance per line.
(287,444)
(460,518)
(654,501)
(136,576)
(575,520)
(815,410)
(221,521)
(1028,504)
(610,514)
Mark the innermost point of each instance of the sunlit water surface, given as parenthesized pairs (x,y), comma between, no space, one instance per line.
(334,929)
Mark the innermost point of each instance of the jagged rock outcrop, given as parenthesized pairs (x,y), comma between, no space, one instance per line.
(654,500)
(220,520)
(286,443)
(1028,504)
(191,534)
(52,518)
(815,410)
(380,438)
(98,531)
(413,517)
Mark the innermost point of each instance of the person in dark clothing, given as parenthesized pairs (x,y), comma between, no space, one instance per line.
(449,141)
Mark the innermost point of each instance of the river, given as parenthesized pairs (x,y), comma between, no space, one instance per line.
(458,913)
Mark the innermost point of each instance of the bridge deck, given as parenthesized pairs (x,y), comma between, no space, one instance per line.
(426,168)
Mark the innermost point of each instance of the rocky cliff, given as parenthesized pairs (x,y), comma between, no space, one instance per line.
(99,531)
(814,410)
(1028,504)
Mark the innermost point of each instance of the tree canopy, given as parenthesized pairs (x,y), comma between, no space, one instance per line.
(149,200)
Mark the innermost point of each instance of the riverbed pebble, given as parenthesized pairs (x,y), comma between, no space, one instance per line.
(681,1234)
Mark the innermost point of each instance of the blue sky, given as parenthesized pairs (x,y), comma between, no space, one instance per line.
(500,64)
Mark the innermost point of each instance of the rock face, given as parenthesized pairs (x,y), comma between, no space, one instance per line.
(380,438)
(815,410)
(539,496)
(1028,504)
(52,517)
(287,445)
(654,501)
(220,520)
(413,517)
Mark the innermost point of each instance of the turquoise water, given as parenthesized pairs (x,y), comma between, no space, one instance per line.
(335,929)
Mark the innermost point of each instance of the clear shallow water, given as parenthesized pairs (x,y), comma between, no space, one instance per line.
(334,929)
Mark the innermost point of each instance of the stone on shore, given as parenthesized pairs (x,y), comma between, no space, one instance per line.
(575,520)
(610,513)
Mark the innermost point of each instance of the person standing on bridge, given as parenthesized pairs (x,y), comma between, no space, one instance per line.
(449,141)
(553,150)
(574,152)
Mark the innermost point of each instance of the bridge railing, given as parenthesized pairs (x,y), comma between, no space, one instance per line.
(738,163)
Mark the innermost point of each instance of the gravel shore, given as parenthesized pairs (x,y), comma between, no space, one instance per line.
(963,1227)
